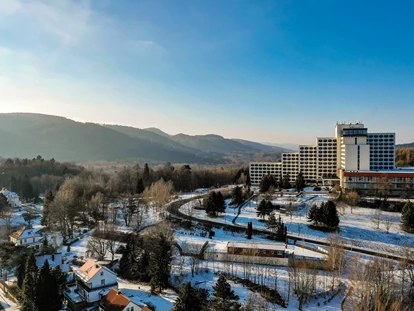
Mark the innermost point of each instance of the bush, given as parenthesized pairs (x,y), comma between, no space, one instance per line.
(316,188)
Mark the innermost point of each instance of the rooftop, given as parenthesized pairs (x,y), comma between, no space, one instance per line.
(266,246)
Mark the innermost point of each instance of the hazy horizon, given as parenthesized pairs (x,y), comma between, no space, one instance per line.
(279,72)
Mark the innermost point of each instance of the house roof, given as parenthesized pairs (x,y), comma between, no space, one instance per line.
(89,269)
(116,301)
(266,246)
(25,233)
(54,260)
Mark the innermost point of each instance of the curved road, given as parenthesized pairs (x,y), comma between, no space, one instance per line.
(173,210)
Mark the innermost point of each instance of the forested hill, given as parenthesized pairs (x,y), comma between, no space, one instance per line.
(27,135)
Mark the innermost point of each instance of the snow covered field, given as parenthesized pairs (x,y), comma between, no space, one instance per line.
(357,227)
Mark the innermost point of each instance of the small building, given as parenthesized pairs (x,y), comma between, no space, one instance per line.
(272,250)
(92,282)
(27,237)
(398,181)
(116,301)
(54,260)
(12,198)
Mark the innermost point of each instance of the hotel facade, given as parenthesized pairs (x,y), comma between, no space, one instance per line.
(353,158)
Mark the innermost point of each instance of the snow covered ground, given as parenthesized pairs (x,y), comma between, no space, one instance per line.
(357,227)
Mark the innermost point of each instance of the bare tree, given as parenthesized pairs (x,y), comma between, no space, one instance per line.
(352,198)
(129,207)
(193,250)
(388,222)
(336,257)
(376,218)
(97,247)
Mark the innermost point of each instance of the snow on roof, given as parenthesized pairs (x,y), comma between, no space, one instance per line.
(9,194)
(25,233)
(266,246)
(90,269)
(116,301)
(54,260)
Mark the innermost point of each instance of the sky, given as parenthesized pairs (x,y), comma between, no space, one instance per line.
(269,71)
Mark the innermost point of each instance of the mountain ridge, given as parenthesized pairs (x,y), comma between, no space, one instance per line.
(28,134)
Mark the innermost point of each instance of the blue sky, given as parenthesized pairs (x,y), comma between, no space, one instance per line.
(269,71)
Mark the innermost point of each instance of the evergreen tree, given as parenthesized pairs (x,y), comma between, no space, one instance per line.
(191,299)
(47,290)
(29,283)
(60,277)
(325,215)
(210,203)
(26,188)
(407,214)
(300,182)
(249,230)
(21,270)
(277,227)
(160,262)
(224,297)
(264,208)
(220,203)
(331,218)
(264,184)
(125,263)
(140,186)
(237,196)
(286,182)
(146,176)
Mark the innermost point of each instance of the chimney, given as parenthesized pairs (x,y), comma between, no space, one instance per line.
(119,292)
(96,266)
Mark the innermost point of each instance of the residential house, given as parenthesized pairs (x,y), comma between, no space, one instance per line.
(12,198)
(92,282)
(54,260)
(27,237)
(116,301)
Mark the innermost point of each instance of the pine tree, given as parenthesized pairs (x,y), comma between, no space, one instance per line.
(264,208)
(60,277)
(210,203)
(407,214)
(224,297)
(140,186)
(21,270)
(47,290)
(264,184)
(125,263)
(160,262)
(300,182)
(286,182)
(220,203)
(249,230)
(146,176)
(29,283)
(277,227)
(191,299)
(237,196)
(332,218)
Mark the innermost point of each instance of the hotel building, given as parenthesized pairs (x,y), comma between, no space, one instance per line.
(353,157)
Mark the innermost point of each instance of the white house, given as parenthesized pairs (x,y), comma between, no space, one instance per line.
(12,198)
(27,237)
(116,301)
(93,281)
(54,260)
